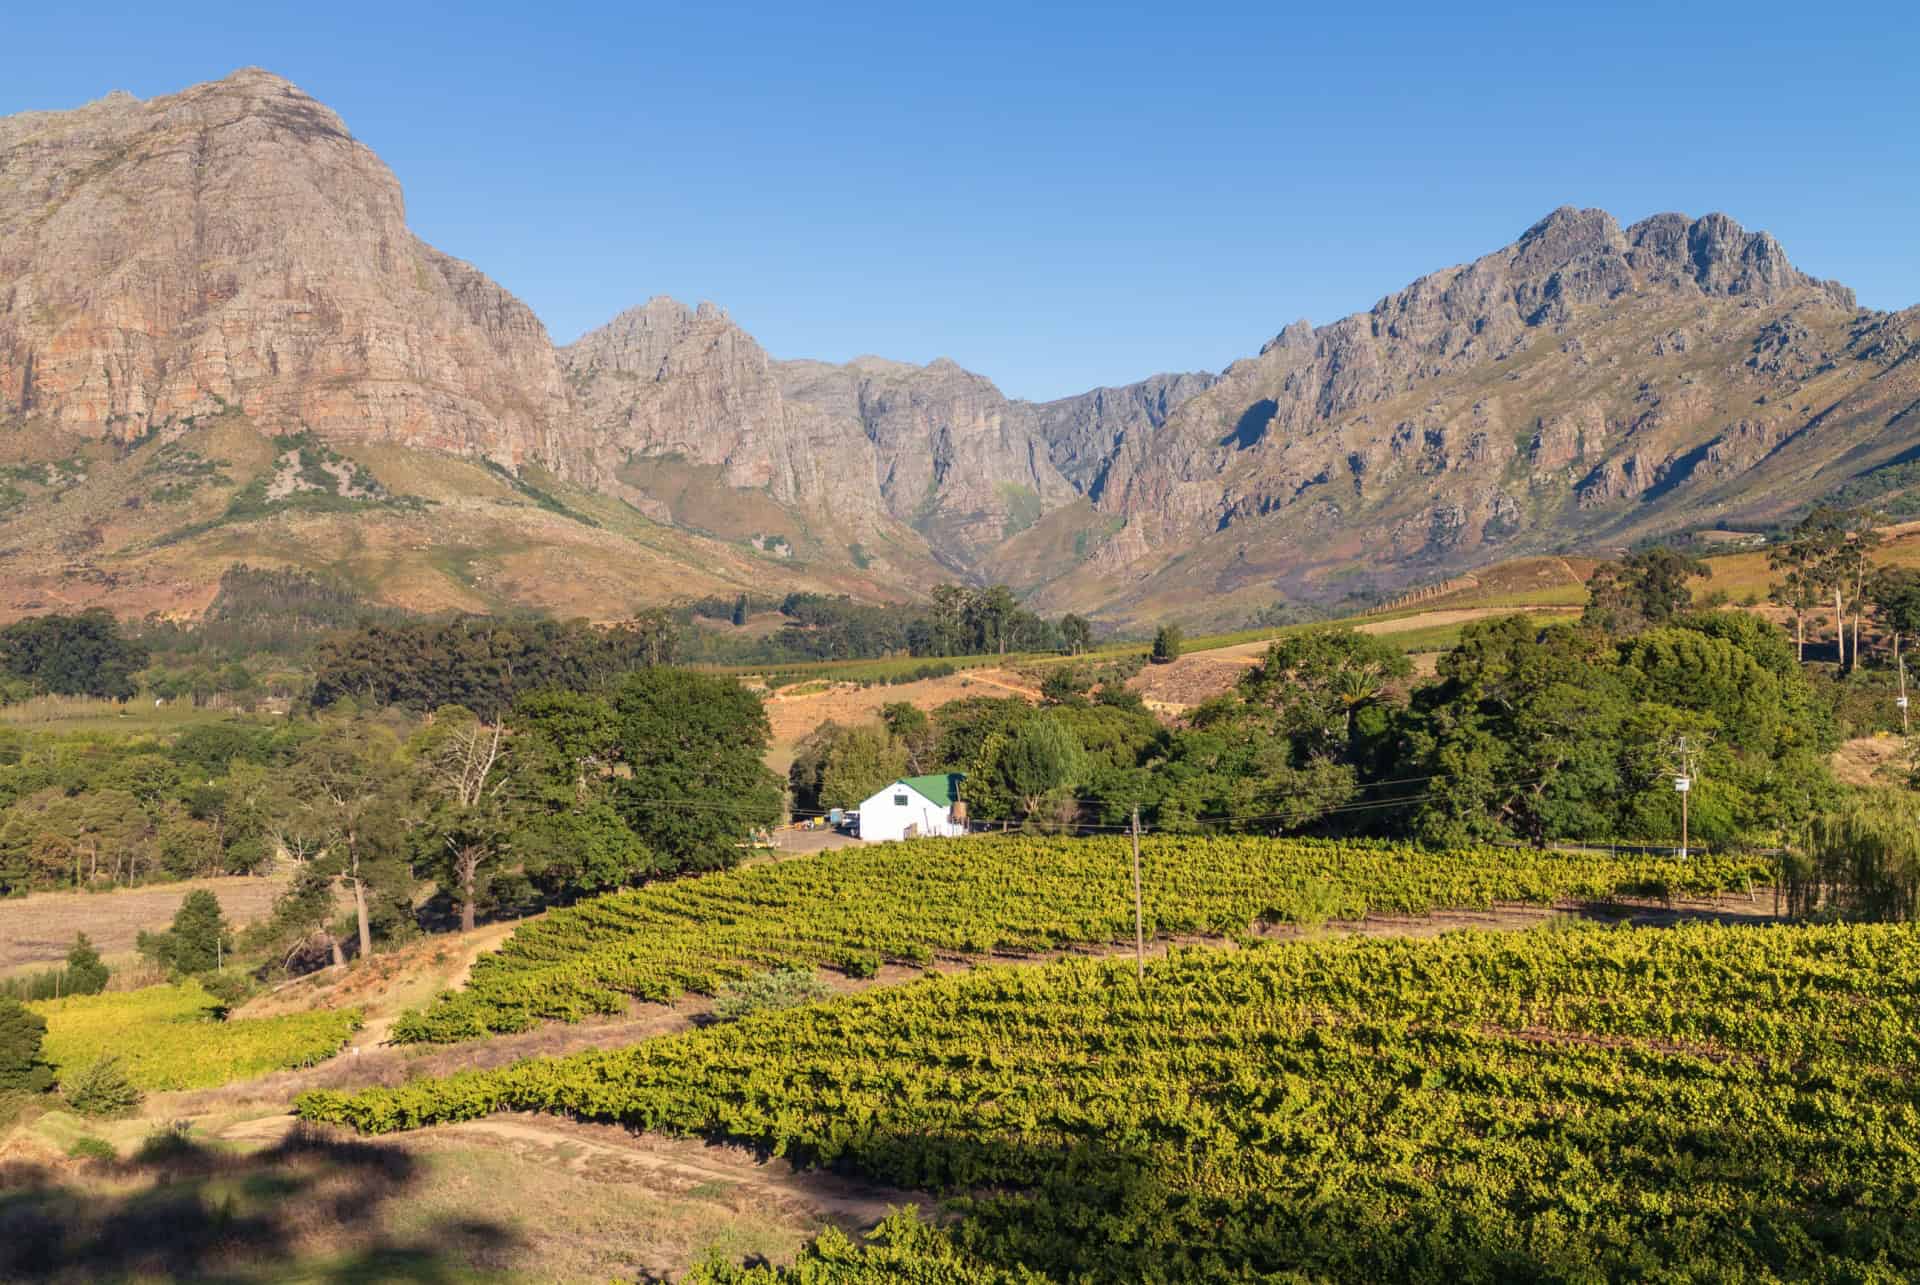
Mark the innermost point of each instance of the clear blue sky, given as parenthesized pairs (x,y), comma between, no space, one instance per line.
(1058,196)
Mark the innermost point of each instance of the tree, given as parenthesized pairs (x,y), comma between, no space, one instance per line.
(583,850)
(909,725)
(1317,682)
(1863,860)
(1040,764)
(86,975)
(22,1069)
(989,615)
(1076,634)
(1831,550)
(862,761)
(78,655)
(304,912)
(1799,589)
(693,745)
(739,617)
(462,760)
(1642,590)
(1894,593)
(1519,735)
(808,769)
(1166,645)
(198,940)
(348,784)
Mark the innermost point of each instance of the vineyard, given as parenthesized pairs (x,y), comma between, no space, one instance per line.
(907,903)
(172,1037)
(1700,1103)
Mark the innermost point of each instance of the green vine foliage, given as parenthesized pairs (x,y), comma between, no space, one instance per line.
(909,903)
(1703,1103)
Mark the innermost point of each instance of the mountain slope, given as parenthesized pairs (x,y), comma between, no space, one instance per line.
(1582,388)
(219,341)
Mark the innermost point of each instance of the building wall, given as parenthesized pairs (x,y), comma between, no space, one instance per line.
(881,818)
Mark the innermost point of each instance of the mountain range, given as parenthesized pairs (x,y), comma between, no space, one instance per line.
(220,342)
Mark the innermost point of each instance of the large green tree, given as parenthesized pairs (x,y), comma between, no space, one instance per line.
(198,940)
(693,745)
(1318,683)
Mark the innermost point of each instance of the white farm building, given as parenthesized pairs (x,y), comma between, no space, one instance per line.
(915,807)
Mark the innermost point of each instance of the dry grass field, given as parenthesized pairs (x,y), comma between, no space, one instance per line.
(39,928)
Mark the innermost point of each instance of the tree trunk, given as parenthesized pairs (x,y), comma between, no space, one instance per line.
(1840,626)
(1800,634)
(469,859)
(333,946)
(360,917)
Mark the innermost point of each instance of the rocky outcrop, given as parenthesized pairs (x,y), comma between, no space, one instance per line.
(234,245)
(935,447)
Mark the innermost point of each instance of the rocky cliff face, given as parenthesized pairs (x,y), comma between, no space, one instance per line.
(1588,383)
(937,448)
(234,245)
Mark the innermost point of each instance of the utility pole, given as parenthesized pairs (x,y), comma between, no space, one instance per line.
(1139,932)
(1683,784)
(1900,663)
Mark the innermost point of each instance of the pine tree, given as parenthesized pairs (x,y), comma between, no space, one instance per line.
(198,939)
(86,975)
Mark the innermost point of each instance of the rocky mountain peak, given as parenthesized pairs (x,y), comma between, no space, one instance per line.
(233,245)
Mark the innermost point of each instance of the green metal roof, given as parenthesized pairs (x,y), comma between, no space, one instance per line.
(941,787)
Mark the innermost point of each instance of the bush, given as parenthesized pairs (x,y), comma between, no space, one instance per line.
(83,974)
(169,1142)
(86,975)
(102,1089)
(784,987)
(231,986)
(861,964)
(22,1069)
(88,1147)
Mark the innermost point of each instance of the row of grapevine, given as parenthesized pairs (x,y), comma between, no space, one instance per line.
(1704,1103)
(908,903)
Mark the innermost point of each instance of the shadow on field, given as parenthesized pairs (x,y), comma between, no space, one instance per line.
(1099,1212)
(182,1210)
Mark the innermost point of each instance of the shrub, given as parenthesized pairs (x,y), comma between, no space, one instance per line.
(88,1147)
(769,992)
(169,1142)
(861,963)
(86,975)
(231,986)
(22,1069)
(102,1089)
